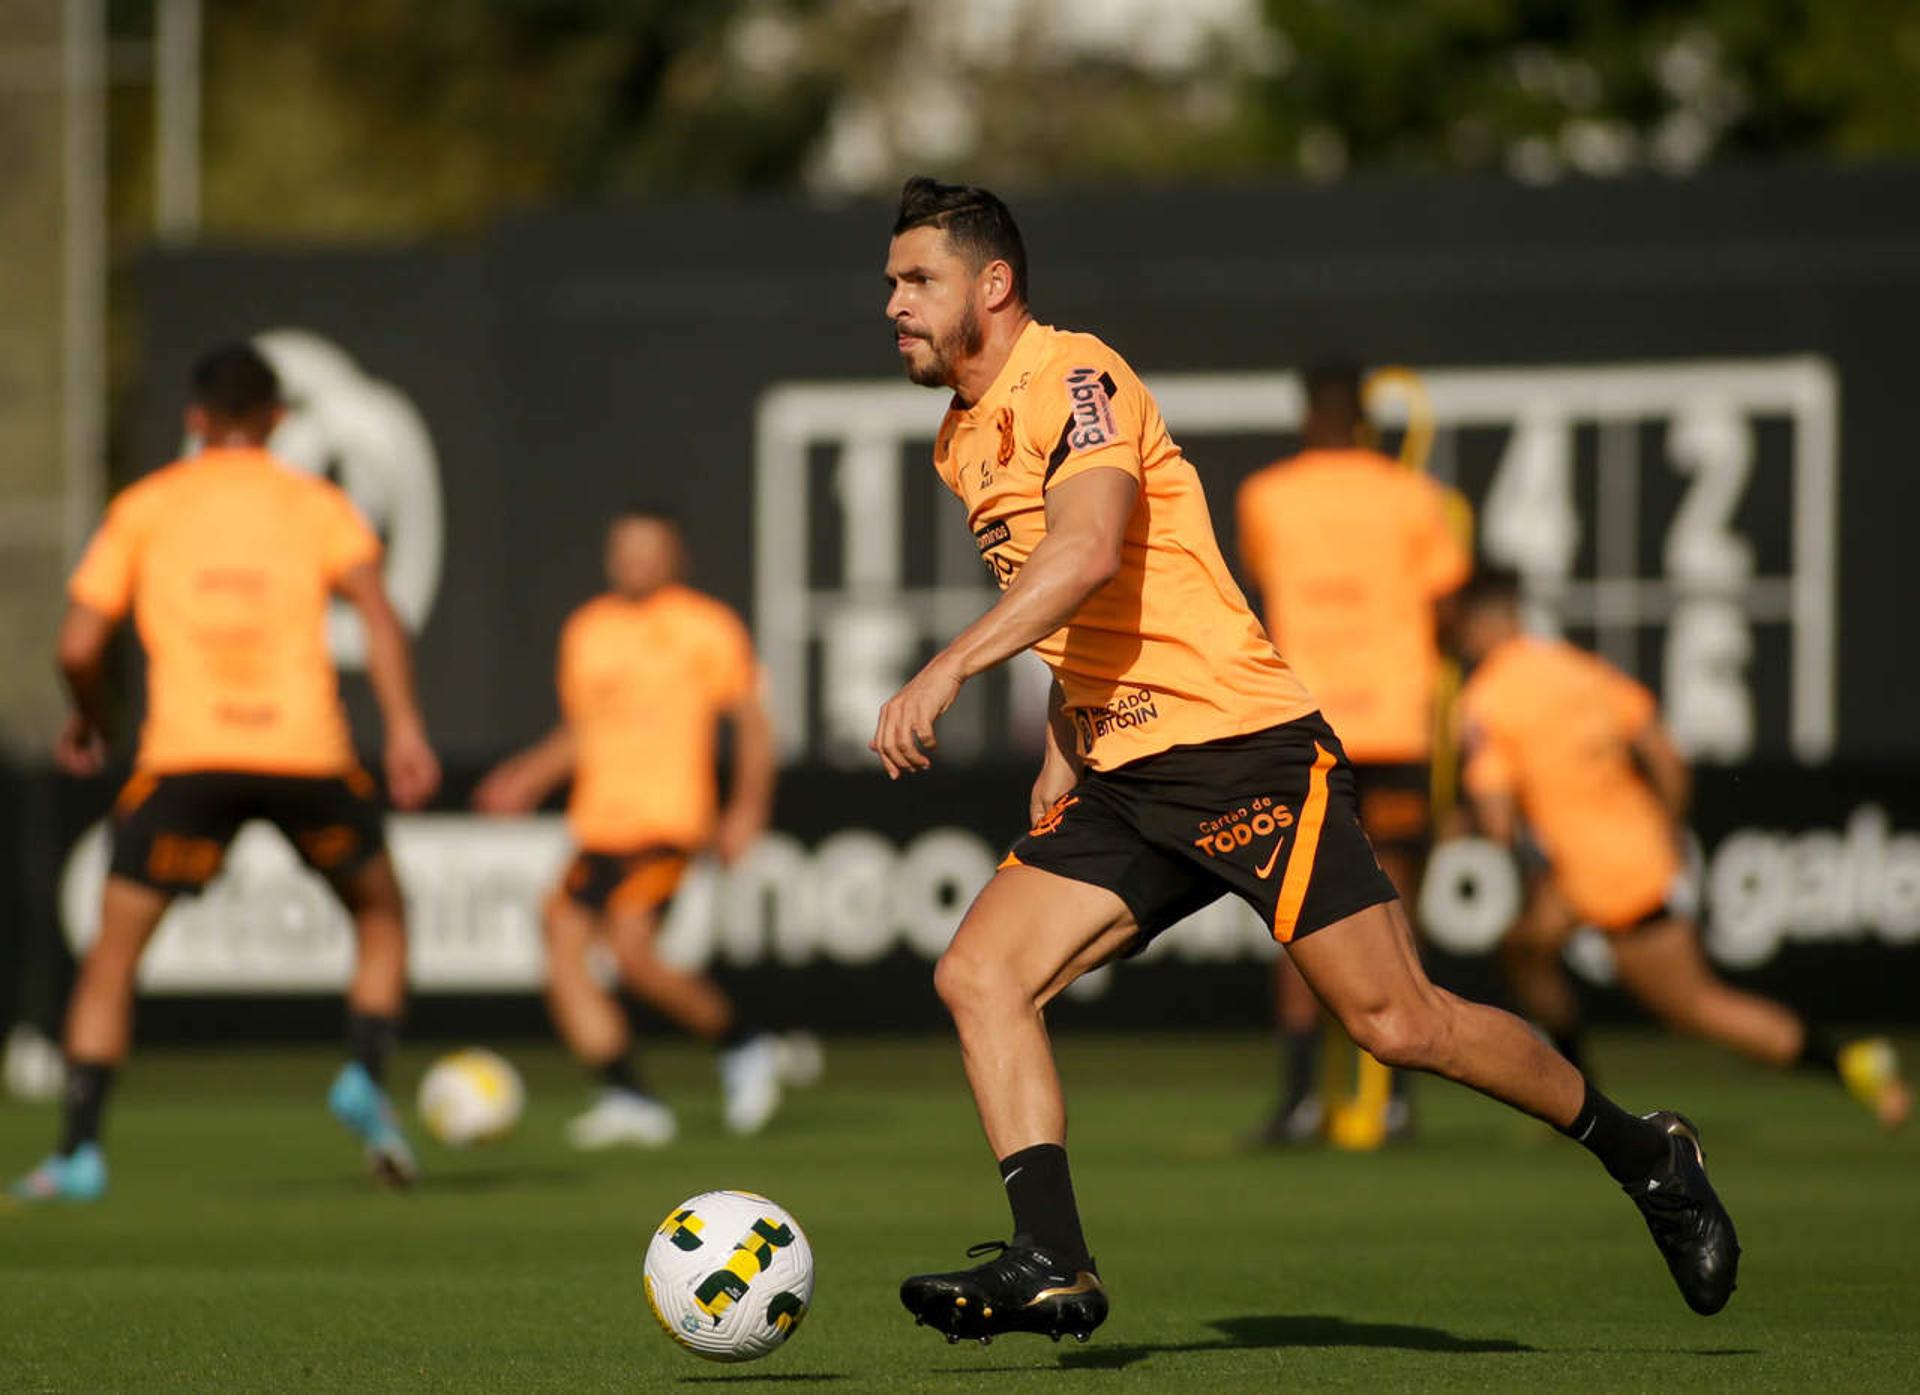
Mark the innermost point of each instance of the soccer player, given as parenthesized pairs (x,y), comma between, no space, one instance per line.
(1184,760)
(1566,742)
(1352,553)
(646,674)
(226,560)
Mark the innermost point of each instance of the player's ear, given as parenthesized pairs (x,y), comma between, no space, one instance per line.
(996,280)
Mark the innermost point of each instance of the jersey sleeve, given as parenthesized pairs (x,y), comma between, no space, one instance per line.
(103,581)
(1487,767)
(1087,412)
(1633,706)
(346,541)
(733,672)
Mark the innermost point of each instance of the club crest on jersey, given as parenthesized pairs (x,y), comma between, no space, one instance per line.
(1090,393)
(1003,423)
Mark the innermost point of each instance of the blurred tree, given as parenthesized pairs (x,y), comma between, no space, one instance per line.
(386,117)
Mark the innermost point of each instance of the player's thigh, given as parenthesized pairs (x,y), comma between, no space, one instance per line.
(1033,932)
(1547,919)
(631,934)
(568,930)
(1366,969)
(130,911)
(371,888)
(1663,965)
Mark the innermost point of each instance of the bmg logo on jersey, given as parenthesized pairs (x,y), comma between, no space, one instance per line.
(1091,393)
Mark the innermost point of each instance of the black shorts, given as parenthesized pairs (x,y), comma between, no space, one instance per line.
(1396,805)
(1270,816)
(608,883)
(171,832)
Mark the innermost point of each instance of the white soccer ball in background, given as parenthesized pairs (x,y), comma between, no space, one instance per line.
(729,1275)
(472,1096)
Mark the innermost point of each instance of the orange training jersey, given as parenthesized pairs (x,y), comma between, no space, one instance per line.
(1350,550)
(226,560)
(1167,652)
(642,684)
(1553,726)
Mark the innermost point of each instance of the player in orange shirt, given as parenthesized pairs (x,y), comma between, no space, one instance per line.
(226,560)
(1184,760)
(1563,741)
(1353,553)
(646,673)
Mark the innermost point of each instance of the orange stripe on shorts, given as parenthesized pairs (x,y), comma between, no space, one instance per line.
(1306,844)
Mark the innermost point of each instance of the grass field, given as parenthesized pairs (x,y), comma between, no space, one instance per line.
(240,1251)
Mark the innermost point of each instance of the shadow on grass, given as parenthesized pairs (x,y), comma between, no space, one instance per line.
(433,1183)
(1243,1333)
(1278,1332)
(789,1377)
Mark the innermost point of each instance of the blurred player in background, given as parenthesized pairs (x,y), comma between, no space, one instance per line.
(1564,741)
(226,560)
(1184,760)
(646,674)
(1353,552)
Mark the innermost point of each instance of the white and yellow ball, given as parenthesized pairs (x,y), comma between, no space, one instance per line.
(472,1096)
(729,1275)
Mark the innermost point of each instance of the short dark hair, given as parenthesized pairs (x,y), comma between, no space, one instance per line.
(979,225)
(235,381)
(1491,584)
(1335,387)
(646,511)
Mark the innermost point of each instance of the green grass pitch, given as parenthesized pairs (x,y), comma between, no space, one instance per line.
(239,1249)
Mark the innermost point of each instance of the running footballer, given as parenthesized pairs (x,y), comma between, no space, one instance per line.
(1185,760)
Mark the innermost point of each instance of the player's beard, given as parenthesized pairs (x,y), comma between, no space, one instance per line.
(962,342)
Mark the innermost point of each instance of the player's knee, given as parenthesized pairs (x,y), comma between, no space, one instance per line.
(967,981)
(1404,1035)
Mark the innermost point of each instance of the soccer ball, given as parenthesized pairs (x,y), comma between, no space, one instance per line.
(729,1275)
(472,1096)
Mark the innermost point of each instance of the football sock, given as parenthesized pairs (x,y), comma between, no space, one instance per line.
(1040,1191)
(370,1041)
(86,1096)
(1300,1074)
(1819,1051)
(1628,1146)
(621,1074)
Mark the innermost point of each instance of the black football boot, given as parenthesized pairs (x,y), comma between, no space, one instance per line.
(1022,1289)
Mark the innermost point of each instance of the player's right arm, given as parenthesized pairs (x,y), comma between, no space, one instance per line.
(1059,766)
(413,771)
(521,783)
(99,594)
(1488,774)
(1086,524)
(81,653)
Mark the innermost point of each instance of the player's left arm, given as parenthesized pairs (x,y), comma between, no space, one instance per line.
(1087,518)
(1664,767)
(755,760)
(413,771)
